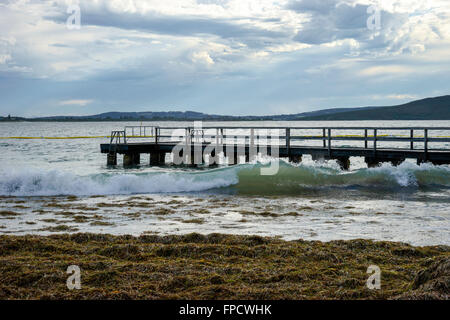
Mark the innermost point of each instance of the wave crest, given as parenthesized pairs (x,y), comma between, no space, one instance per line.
(244,178)
(291,178)
(32,182)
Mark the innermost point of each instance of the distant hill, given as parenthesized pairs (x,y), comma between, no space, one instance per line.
(126,116)
(426,109)
(12,119)
(178,116)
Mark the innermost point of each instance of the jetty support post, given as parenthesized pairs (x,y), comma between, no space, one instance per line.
(295,158)
(372,162)
(111,159)
(131,159)
(157,158)
(397,162)
(162,158)
(154,159)
(343,162)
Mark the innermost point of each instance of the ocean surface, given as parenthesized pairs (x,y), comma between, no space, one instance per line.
(52,186)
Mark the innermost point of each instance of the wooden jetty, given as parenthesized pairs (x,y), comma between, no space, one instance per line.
(203,145)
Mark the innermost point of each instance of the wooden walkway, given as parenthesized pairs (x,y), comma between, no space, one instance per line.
(197,146)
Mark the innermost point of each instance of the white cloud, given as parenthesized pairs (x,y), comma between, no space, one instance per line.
(76,102)
(202,57)
(395,97)
(124,34)
(386,70)
(402,96)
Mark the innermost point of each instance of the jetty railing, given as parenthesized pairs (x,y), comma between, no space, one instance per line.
(141,131)
(116,137)
(287,135)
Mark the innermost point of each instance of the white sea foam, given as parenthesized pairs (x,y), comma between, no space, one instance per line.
(34,182)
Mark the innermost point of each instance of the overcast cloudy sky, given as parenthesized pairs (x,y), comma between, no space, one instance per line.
(249,57)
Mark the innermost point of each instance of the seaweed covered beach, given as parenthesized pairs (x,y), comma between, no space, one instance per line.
(217,266)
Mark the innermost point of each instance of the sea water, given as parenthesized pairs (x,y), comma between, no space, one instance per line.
(51,186)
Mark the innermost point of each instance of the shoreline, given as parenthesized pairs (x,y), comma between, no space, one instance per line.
(217,266)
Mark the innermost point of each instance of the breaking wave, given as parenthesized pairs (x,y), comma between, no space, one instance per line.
(242,178)
(37,183)
(291,179)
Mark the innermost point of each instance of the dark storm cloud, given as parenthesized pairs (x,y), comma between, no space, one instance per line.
(176,25)
(316,6)
(331,20)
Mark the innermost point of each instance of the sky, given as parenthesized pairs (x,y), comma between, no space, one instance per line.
(228,57)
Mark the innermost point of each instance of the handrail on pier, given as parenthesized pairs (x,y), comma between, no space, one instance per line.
(116,137)
(140,131)
(287,135)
